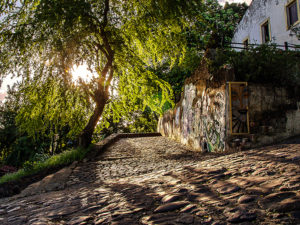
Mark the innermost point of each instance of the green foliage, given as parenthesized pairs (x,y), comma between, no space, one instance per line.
(8,129)
(142,121)
(13,176)
(212,18)
(42,40)
(36,159)
(22,149)
(15,146)
(177,74)
(147,46)
(52,110)
(237,8)
(134,122)
(296,31)
(29,165)
(35,119)
(214,26)
(33,167)
(264,64)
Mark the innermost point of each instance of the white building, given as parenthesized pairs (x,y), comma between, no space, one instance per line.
(269,21)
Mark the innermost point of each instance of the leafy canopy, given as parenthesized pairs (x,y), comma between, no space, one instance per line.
(41,40)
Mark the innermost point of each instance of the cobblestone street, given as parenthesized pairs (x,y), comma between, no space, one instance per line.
(153,180)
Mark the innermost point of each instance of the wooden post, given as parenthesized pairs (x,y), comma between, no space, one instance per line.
(286,46)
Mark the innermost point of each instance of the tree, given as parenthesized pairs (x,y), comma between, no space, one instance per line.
(214,29)
(8,128)
(116,39)
(218,23)
(49,110)
(15,147)
(237,9)
(36,120)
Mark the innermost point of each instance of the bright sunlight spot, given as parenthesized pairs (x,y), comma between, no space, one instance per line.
(81,72)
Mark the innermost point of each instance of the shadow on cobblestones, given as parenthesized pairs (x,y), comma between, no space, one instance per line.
(157,181)
(273,158)
(191,156)
(137,195)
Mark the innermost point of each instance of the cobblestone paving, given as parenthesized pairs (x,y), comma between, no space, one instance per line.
(156,181)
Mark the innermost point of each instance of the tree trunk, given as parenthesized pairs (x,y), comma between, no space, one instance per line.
(85,137)
(101,95)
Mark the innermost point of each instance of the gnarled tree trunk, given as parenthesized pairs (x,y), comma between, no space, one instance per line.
(87,133)
(100,97)
(101,94)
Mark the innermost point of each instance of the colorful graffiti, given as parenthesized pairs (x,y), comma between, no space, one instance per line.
(213,121)
(213,134)
(239,118)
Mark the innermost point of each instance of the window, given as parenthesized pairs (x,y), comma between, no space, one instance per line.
(246,43)
(265,32)
(292,13)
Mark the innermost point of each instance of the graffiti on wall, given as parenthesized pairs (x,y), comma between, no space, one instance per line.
(214,138)
(204,122)
(239,115)
(187,110)
(177,117)
(200,119)
(213,121)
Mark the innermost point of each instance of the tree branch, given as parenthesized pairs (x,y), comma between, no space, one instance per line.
(102,49)
(104,73)
(102,30)
(106,10)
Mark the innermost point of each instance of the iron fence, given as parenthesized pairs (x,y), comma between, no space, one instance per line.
(244,46)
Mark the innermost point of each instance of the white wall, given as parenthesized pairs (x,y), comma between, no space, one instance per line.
(258,12)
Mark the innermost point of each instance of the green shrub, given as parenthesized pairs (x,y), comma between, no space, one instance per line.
(264,64)
(32,167)
(14,176)
(28,165)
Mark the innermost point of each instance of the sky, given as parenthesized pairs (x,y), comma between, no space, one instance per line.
(235,1)
(8,81)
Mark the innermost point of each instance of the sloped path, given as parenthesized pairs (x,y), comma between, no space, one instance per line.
(156,181)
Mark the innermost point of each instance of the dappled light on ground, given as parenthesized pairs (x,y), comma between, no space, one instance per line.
(144,181)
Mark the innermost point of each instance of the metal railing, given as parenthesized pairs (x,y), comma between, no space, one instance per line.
(287,46)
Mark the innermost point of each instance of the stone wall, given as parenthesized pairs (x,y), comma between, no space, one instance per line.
(201,119)
(274,113)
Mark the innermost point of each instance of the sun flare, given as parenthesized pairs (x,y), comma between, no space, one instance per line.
(82,72)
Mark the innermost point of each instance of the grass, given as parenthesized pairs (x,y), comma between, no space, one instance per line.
(61,159)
